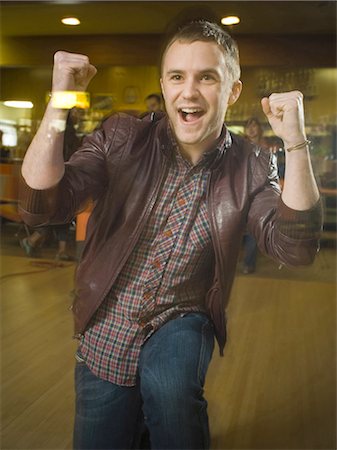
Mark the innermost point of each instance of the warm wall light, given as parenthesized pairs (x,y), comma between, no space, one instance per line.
(230,20)
(70,99)
(70,21)
(18,104)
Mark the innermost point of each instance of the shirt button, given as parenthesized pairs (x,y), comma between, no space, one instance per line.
(157,263)
(181,202)
(167,233)
(147,295)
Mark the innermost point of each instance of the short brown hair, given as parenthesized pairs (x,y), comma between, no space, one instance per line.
(203,30)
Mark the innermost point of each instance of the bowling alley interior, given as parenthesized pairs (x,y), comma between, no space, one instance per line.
(275,386)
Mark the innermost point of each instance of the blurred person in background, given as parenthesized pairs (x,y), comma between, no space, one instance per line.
(153,103)
(254,133)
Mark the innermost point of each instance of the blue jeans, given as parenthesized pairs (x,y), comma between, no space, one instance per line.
(168,396)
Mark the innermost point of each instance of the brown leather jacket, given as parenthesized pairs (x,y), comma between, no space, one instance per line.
(121,167)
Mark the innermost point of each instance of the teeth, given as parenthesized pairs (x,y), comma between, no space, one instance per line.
(190,110)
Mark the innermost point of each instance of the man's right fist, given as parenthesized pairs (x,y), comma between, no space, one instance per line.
(71,72)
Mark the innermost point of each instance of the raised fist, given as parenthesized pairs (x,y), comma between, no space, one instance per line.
(285,113)
(71,72)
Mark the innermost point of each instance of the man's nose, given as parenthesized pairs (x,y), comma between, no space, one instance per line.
(191,88)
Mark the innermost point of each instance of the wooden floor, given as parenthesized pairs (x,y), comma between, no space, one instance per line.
(274,389)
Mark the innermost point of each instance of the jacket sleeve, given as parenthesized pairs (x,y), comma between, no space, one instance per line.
(85,177)
(288,236)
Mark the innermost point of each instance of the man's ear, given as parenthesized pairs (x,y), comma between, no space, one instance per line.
(236,91)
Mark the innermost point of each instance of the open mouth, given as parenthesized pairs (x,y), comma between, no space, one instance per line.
(191,114)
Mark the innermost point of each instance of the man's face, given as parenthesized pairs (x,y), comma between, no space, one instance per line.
(253,131)
(196,89)
(152,104)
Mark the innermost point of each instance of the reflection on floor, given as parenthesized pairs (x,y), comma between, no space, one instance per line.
(274,388)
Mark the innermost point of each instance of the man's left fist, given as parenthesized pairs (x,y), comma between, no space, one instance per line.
(285,113)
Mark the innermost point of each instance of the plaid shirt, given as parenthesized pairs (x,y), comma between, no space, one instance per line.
(167,274)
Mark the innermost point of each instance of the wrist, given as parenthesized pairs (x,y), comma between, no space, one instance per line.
(300,145)
(53,113)
(55,120)
(291,139)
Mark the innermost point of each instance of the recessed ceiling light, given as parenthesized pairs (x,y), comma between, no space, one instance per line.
(230,20)
(18,104)
(70,21)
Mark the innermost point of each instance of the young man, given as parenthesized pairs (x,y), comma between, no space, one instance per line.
(173,196)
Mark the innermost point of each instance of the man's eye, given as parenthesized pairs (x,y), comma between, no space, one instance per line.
(176,77)
(207,77)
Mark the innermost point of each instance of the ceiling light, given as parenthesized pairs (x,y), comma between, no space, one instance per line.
(18,104)
(70,21)
(230,20)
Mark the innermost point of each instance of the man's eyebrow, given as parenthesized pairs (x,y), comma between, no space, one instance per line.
(175,71)
(207,70)
(210,70)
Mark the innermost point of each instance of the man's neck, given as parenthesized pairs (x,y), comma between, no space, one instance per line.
(256,139)
(192,155)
